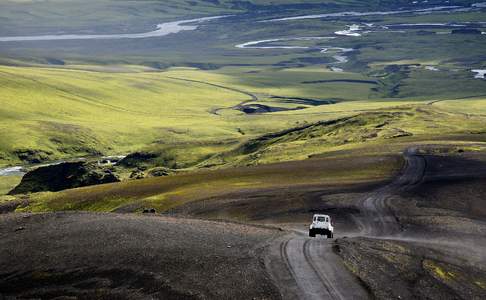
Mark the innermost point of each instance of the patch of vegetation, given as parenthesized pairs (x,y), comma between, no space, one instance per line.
(185,107)
(7,183)
(438,271)
(71,113)
(164,193)
(380,128)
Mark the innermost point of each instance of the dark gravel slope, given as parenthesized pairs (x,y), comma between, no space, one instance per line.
(111,256)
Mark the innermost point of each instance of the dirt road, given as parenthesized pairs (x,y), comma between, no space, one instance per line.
(316,271)
(309,269)
(377,218)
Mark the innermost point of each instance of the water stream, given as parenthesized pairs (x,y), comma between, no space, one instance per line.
(161,30)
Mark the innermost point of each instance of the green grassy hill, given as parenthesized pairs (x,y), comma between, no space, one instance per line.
(216,105)
(59,113)
(192,115)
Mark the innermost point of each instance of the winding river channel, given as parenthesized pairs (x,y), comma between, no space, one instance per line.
(192,24)
(355,30)
(162,30)
(12,171)
(377,13)
(267,44)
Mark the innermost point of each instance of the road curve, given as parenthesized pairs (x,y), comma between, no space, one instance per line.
(310,264)
(377,217)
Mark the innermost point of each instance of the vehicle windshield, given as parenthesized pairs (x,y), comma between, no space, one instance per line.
(321,219)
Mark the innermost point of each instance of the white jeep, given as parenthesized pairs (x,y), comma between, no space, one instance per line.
(321,224)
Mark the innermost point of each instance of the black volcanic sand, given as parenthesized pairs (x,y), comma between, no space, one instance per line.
(112,256)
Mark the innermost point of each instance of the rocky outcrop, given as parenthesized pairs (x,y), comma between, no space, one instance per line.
(158,172)
(137,159)
(144,160)
(63,176)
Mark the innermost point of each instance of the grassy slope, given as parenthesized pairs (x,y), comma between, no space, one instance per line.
(116,108)
(84,111)
(333,144)
(67,112)
(470,107)
(169,192)
(383,130)
(75,112)
(7,183)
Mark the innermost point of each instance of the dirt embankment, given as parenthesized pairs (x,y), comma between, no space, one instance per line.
(111,256)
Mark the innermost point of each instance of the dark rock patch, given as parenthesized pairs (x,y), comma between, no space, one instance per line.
(143,160)
(158,172)
(137,174)
(63,176)
(137,158)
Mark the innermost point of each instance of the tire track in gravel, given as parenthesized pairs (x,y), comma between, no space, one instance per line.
(316,270)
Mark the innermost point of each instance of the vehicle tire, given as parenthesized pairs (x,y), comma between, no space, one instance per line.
(329,235)
(311,233)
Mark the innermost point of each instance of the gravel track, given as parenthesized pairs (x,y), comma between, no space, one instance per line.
(317,271)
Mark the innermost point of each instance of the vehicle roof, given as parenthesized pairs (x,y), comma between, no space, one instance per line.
(319,215)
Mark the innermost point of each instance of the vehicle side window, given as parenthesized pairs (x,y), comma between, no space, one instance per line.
(327,219)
